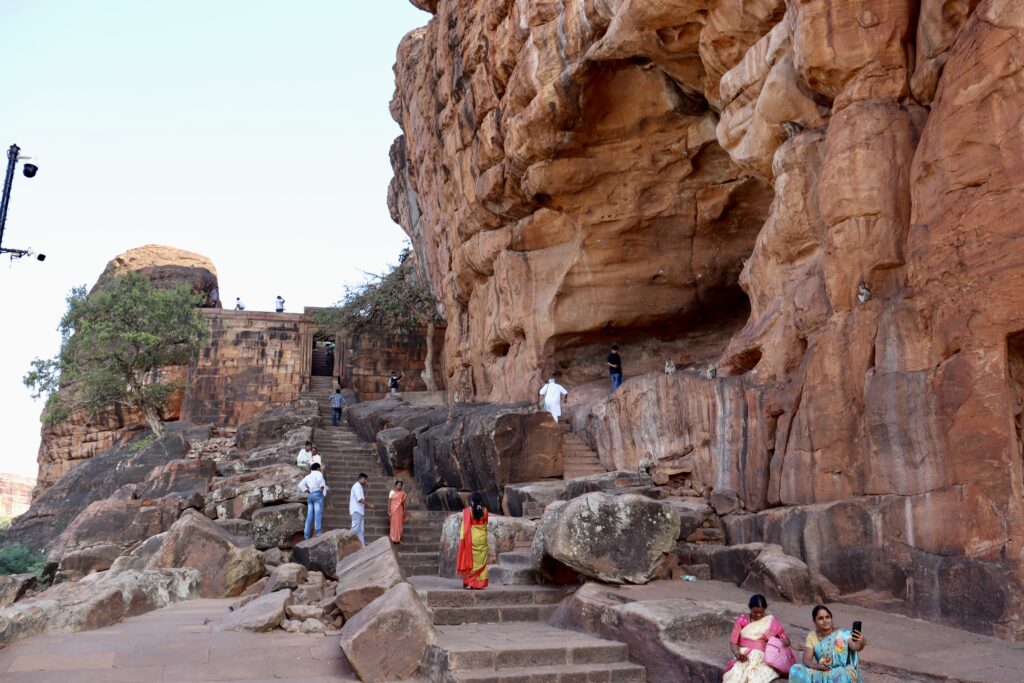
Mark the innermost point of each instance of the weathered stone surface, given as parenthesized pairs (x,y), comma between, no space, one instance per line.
(371,417)
(725,501)
(288,575)
(14,586)
(226,563)
(237,527)
(394,448)
(278,526)
(240,495)
(98,600)
(93,480)
(618,539)
(503,534)
(387,639)
(260,614)
(15,494)
(761,568)
(184,479)
(272,426)
(366,575)
(323,553)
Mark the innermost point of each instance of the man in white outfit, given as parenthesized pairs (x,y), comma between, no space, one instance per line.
(357,507)
(553,393)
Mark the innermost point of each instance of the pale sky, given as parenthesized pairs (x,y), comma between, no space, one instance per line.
(254,132)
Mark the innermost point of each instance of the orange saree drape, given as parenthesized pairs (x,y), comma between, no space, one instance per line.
(397,510)
(472,560)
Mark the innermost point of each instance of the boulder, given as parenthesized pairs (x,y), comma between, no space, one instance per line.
(366,575)
(303,612)
(273,556)
(288,575)
(323,553)
(264,613)
(388,639)
(96,601)
(14,586)
(283,450)
(236,527)
(278,526)
(725,501)
(517,495)
(503,535)
(187,479)
(271,427)
(227,563)
(617,539)
(394,448)
(238,496)
(371,417)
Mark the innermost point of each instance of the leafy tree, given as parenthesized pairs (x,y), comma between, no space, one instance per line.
(19,558)
(114,343)
(393,303)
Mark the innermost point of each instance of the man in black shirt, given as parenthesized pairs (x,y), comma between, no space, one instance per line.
(615,367)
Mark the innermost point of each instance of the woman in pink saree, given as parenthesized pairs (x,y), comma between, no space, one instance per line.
(397,510)
(749,639)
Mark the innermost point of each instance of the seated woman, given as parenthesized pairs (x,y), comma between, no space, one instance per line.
(830,655)
(748,641)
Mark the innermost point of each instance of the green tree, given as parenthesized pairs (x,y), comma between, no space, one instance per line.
(114,344)
(393,303)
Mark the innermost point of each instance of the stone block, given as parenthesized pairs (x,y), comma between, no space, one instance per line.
(264,613)
(288,575)
(323,553)
(278,526)
(366,575)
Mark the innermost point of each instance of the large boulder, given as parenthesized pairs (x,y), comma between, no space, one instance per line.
(503,535)
(280,451)
(263,613)
(272,425)
(96,601)
(14,586)
(388,639)
(323,553)
(227,563)
(288,575)
(278,526)
(366,575)
(617,539)
(238,496)
(371,417)
(92,480)
(394,449)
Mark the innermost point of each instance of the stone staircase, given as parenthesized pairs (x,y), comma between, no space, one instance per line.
(345,456)
(580,460)
(501,634)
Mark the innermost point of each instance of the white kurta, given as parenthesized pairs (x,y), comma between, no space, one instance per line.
(553,394)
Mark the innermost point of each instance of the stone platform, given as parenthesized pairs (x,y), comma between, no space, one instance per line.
(173,644)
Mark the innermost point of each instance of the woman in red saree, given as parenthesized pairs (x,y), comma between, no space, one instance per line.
(472,561)
(397,509)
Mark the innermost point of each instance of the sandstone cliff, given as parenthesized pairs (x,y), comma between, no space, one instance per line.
(65,444)
(820,199)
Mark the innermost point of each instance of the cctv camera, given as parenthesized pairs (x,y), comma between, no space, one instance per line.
(30,170)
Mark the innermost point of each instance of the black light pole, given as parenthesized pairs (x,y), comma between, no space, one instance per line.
(30,172)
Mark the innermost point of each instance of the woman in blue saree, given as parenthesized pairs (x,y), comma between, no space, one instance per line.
(830,654)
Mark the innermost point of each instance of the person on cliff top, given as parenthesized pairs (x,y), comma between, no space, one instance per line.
(753,635)
(279,304)
(393,381)
(472,558)
(615,367)
(239,306)
(314,485)
(337,401)
(830,653)
(304,460)
(553,393)
(357,507)
(398,511)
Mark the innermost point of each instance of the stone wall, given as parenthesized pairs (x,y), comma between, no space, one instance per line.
(15,494)
(252,362)
(365,364)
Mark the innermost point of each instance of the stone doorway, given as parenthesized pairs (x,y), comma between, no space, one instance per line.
(323,359)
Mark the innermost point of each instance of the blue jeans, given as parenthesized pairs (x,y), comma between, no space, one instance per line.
(335,416)
(616,380)
(314,512)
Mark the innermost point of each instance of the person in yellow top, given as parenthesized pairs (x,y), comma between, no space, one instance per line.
(472,559)
(830,654)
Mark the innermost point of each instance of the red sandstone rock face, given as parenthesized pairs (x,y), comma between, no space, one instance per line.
(580,172)
(79,437)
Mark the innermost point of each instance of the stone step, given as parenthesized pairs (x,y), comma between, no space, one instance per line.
(492,614)
(512,575)
(448,593)
(526,652)
(515,558)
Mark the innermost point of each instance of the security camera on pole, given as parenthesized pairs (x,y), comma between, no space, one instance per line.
(30,171)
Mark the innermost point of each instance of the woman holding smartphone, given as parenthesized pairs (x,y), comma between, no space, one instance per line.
(830,654)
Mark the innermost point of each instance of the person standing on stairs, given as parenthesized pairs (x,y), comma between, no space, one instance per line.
(314,485)
(305,457)
(615,367)
(398,511)
(357,505)
(553,393)
(472,558)
(337,401)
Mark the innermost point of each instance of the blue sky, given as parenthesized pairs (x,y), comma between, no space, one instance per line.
(253,132)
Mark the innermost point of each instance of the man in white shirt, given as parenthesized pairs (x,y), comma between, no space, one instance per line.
(305,456)
(553,393)
(279,304)
(314,485)
(239,306)
(357,507)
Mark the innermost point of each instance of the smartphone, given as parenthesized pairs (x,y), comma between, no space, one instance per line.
(856,627)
